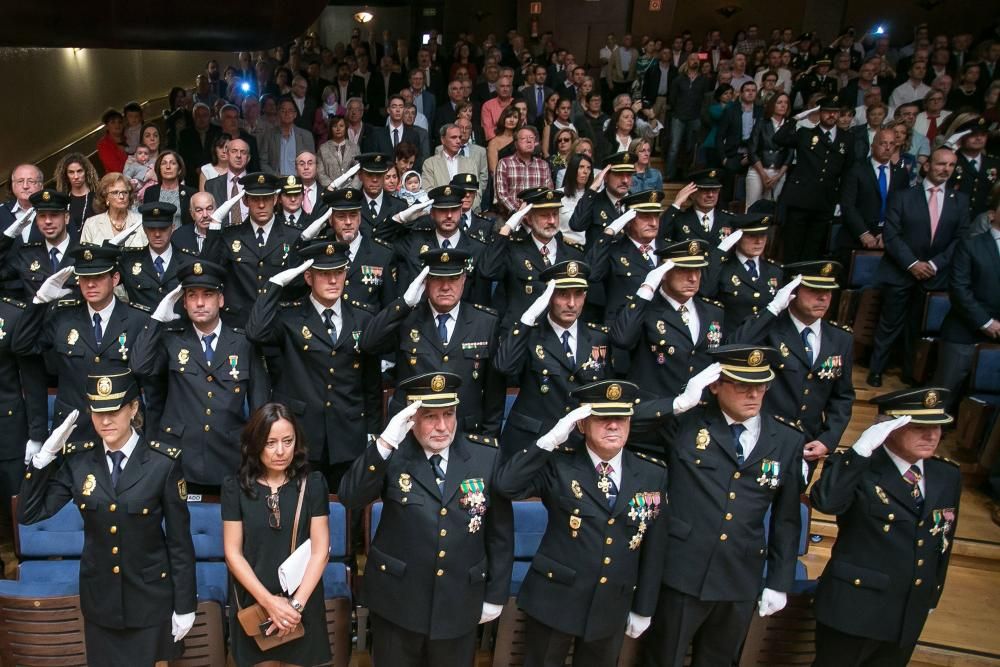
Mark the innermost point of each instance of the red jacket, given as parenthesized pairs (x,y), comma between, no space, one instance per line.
(112,155)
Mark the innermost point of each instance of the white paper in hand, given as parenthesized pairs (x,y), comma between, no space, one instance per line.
(290,572)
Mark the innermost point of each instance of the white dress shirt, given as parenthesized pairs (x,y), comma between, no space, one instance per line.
(62,247)
(267,227)
(694,322)
(749,437)
(572,335)
(903,466)
(616,466)
(127,449)
(337,317)
(452,240)
(355,245)
(814,340)
(201,335)
(743,261)
(167,255)
(551,245)
(377,200)
(105,313)
(452,318)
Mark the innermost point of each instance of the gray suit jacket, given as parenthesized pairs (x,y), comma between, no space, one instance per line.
(270,148)
(435,173)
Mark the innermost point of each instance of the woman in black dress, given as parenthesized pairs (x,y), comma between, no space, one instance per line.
(258,508)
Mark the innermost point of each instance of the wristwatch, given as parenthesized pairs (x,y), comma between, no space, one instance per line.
(296,605)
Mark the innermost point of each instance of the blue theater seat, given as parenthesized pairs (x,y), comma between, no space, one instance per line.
(335,575)
(210,568)
(49,552)
(530,520)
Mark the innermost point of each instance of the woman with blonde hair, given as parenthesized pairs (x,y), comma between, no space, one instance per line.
(114,204)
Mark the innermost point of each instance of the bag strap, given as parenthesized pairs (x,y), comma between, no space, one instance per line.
(298,513)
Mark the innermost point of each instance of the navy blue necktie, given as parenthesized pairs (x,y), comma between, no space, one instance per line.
(54,259)
(116,469)
(209,352)
(395,137)
(158,265)
(331,328)
(539,101)
(567,349)
(737,430)
(806,334)
(98,329)
(260,237)
(752,269)
(435,460)
(443,328)
(446,244)
(465,221)
(883,190)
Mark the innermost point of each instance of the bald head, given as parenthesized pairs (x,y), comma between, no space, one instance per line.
(202,206)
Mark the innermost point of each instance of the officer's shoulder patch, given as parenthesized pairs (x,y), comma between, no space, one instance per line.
(724,258)
(32,244)
(15,302)
(170,452)
(187,251)
(240,331)
(841,326)
(786,422)
(574,244)
(945,459)
(132,249)
(77,447)
(67,303)
(176,328)
(486,309)
(773,263)
(715,303)
(139,306)
(722,210)
(363,306)
(598,327)
(290,304)
(651,459)
(484,440)
(382,242)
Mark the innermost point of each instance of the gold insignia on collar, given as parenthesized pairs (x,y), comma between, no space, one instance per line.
(237,244)
(183,357)
(575,488)
(784,350)
(539,352)
(414,335)
(72,337)
(306,333)
(661,326)
(36,265)
(405,485)
(137,268)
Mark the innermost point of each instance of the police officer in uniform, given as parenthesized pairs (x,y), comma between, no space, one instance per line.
(28,264)
(705,219)
(322,375)
(150,273)
(666,328)
(518,259)
(599,566)
(77,338)
(137,573)
(549,358)
(443,332)
(254,250)
(446,232)
(816,79)
(976,171)
(211,371)
(739,275)
(897,515)
(730,462)
(471,222)
(596,209)
(621,256)
(441,558)
(378,207)
(289,210)
(814,387)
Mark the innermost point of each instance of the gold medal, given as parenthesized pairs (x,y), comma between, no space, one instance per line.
(575,488)
(89,484)
(702,439)
(575,522)
(661,326)
(881,495)
(405,484)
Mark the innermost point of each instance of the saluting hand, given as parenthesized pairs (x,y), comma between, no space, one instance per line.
(344,178)
(221,214)
(52,288)
(784,296)
(56,441)
(282,278)
(653,279)
(513,223)
(414,211)
(415,291)
(875,435)
(531,315)
(560,432)
(696,387)
(19,224)
(165,309)
(397,428)
(619,223)
(314,228)
(122,236)
(802,115)
(727,244)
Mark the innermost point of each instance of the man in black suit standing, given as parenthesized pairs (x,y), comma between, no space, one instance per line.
(656,84)
(535,95)
(922,226)
(735,127)
(381,87)
(384,139)
(195,142)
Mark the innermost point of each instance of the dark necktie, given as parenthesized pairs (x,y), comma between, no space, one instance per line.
(331,328)
(291,218)
(435,460)
(98,329)
(116,467)
(373,208)
(737,430)
(395,137)
(158,265)
(465,221)
(806,335)
(236,211)
(539,101)
(752,269)
(606,484)
(683,310)
(54,259)
(829,138)
(443,328)
(545,256)
(883,190)
(260,237)
(913,477)
(647,253)
(567,349)
(932,129)
(209,352)
(446,243)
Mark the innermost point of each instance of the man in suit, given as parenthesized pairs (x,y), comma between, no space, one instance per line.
(318,338)
(25,180)
(865,193)
(656,84)
(441,168)
(976,171)
(475,149)
(705,219)
(814,389)
(280,146)
(735,127)
(600,561)
(305,105)
(229,122)
(922,226)
(447,112)
(381,86)
(662,358)
(410,120)
(897,516)
(149,273)
(823,155)
(190,239)
(226,186)
(434,77)
(212,373)
(423,99)
(384,139)
(486,89)
(731,461)
(442,526)
(536,94)
(358,131)
(622,65)
(195,142)
(443,331)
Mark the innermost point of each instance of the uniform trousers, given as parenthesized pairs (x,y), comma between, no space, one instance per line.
(839,649)
(715,630)
(547,647)
(804,234)
(394,646)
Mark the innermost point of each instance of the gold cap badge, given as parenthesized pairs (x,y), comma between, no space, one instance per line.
(572,269)
(826,270)
(104,386)
(197,270)
(46,196)
(930,399)
(260,180)
(329,249)
(437,383)
(755,358)
(614,392)
(87,255)
(693,248)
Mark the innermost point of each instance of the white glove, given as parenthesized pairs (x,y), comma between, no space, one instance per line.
(122,236)
(181,624)
(560,432)
(955,139)
(653,279)
(31,448)
(221,214)
(514,221)
(19,224)
(619,223)
(805,114)
(637,624)
(415,291)
(784,296)
(344,178)
(771,602)
(55,442)
(538,307)
(52,288)
(726,244)
(316,226)
(399,425)
(875,435)
(414,211)
(490,612)
(165,309)
(695,387)
(282,278)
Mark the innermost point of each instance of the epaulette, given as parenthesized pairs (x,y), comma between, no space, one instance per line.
(67,303)
(788,423)
(363,306)
(564,449)
(187,251)
(484,440)
(14,302)
(598,327)
(712,301)
(32,244)
(722,210)
(653,460)
(773,263)
(841,326)
(132,248)
(77,447)
(724,258)
(486,309)
(382,242)
(290,304)
(945,459)
(574,244)
(139,306)
(172,452)
(176,328)
(240,331)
